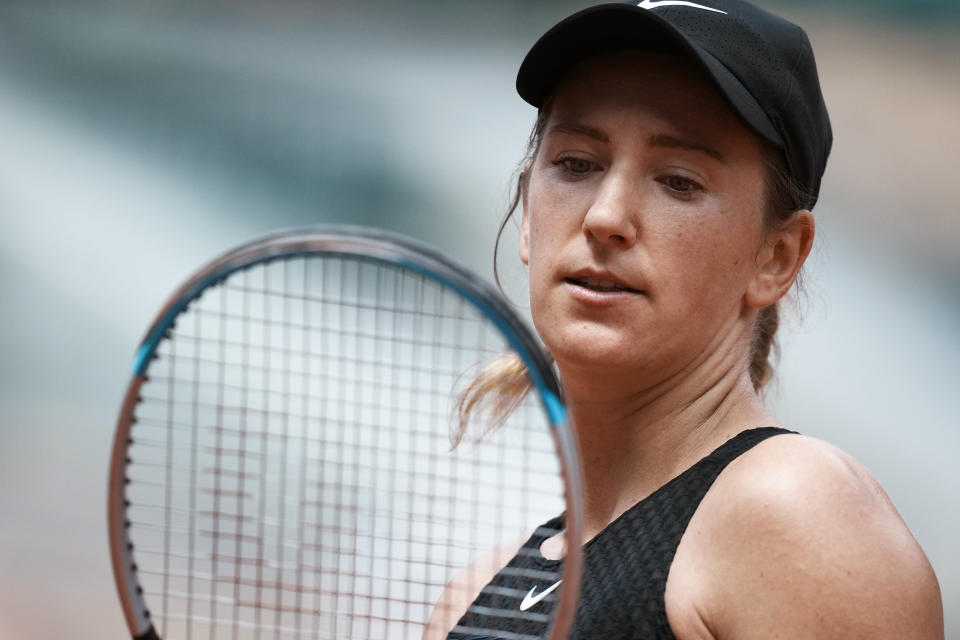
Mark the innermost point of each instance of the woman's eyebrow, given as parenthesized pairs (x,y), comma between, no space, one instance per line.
(658,140)
(664,140)
(580,129)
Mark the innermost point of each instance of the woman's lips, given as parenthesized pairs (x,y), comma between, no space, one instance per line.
(593,290)
(600,284)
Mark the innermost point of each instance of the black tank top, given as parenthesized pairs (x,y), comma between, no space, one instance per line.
(625,566)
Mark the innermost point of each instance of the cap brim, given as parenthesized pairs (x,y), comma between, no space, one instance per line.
(621,27)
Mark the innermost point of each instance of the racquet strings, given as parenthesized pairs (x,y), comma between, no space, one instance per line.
(290,472)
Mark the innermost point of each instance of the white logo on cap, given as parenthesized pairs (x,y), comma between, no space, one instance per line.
(653,4)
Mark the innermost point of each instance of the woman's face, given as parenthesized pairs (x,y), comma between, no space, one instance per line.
(642,219)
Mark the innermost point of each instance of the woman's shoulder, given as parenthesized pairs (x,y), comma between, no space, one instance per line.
(792,473)
(797,539)
(808,489)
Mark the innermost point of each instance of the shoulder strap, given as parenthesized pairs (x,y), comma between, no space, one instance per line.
(741,443)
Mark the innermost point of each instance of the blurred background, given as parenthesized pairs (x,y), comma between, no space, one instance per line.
(140,139)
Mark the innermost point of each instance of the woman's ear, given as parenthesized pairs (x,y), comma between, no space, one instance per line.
(523,247)
(779,260)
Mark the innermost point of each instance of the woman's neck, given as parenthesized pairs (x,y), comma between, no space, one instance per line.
(632,443)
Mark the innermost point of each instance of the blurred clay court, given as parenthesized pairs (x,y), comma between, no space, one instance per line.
(138,140)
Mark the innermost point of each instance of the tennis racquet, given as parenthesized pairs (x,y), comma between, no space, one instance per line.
(283,463)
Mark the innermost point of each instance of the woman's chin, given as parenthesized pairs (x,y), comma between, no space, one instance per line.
(595,349)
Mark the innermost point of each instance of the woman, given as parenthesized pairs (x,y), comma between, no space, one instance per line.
(666,210)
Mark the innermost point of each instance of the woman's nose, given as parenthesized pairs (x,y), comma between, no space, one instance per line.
(613,215)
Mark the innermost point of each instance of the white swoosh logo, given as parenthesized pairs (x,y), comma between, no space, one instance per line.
(529,600)
(653,4)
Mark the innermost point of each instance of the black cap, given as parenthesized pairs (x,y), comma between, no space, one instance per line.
(761,63)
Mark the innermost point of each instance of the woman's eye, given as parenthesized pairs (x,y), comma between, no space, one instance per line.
(681,186)
(575,166)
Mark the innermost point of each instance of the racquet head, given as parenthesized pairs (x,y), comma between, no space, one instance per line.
(282,464)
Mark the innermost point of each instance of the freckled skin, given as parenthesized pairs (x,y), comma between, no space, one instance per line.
(690,249)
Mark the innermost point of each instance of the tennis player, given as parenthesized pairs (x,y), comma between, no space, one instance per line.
(666,210)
